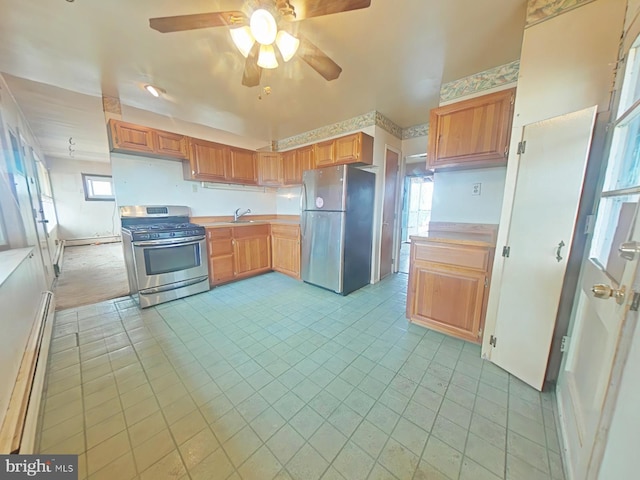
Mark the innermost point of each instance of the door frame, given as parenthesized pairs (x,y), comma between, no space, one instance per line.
(395,249)
(623,347)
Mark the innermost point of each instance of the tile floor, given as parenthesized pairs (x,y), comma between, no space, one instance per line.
(271,378)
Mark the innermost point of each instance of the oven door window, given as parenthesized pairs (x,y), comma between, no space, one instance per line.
(171,259)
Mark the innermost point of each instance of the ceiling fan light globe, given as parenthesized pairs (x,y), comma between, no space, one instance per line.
(267,57)
(243,39)
(287,44)
(263,27)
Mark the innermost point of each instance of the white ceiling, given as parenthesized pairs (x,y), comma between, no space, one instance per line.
(61,57)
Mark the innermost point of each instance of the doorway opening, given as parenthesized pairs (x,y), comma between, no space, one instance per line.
(416,213)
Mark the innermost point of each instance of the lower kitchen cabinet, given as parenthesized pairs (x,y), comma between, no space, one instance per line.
(238,252)
(448,286)
(285,248)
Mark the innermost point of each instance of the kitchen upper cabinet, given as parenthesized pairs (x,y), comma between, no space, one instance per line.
(138,140)
(243,166)
(169,144)
(325,153)
(472,133)
(355,148)
(270,168)
(208,161)
(297,161)
(285,248)
(129,138)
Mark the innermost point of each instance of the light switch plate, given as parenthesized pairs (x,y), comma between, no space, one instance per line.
(476,188)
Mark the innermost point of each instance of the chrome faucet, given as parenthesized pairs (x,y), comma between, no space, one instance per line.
(237,214)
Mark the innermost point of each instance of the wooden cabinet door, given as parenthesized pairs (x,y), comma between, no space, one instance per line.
(251,249)
(325,153)
(220,251)
(347,149)
(129,138)
(306,157)
(208,160)
(291,168)
(243,166)
(270,169)
(471,133)
(170,145)
(285,248)
(449,299)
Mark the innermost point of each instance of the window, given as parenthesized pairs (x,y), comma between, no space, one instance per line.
(98,187)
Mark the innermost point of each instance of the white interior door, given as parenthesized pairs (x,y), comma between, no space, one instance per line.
(592,366)
(547,192)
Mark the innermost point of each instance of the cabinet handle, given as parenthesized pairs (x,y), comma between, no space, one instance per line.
(558,256)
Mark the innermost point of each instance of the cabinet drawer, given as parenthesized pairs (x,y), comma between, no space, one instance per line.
(292,231)
(250,231)
(461,256)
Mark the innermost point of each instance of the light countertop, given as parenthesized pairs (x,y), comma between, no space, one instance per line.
(459,238)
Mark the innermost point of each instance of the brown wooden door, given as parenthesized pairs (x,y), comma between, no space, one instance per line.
(325,153)
(448,299)
(208,160)
(475,131)
(243,166)
(251,249)
(389,212)
(270,168)
(170,145)
(127,137)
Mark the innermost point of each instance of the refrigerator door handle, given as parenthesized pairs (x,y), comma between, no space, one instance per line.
(303,204)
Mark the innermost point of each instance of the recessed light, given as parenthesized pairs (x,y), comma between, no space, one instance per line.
(155,91)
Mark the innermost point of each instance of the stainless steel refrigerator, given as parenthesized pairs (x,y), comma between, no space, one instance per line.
(337,227)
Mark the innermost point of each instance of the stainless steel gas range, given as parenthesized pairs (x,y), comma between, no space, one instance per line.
(165,255)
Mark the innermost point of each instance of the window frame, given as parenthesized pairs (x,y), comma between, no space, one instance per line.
(86,177)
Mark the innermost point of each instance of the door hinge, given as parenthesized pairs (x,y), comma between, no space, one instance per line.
(486,282)
(513,99)
(506,151)
(493,340)
(588,224)
(522,147)
(506,251)
(635,303)
(480,333)
(564,344)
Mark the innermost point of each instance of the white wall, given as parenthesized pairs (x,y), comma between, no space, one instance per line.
(77,217)
(288,201)
(414,146)
(151,181)
(453,200)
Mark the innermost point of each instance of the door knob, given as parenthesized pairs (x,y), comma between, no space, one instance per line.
(628,250)
(603,291)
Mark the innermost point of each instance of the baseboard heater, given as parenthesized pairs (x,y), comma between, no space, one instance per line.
(18,432)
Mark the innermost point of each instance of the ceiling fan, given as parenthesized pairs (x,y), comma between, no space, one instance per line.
(268,25)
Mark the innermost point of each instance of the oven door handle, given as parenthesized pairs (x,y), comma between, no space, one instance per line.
(170,243)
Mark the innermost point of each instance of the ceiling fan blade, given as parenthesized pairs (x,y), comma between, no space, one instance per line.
(317,8)
(318,60)
(199,20)
(252,72)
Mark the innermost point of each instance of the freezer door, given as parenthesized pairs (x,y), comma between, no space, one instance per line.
(324,189)
(322,249)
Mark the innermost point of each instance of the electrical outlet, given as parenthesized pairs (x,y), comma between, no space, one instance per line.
(476,188)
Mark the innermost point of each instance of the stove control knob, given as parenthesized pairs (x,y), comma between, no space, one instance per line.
(144,236)
(172,234)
